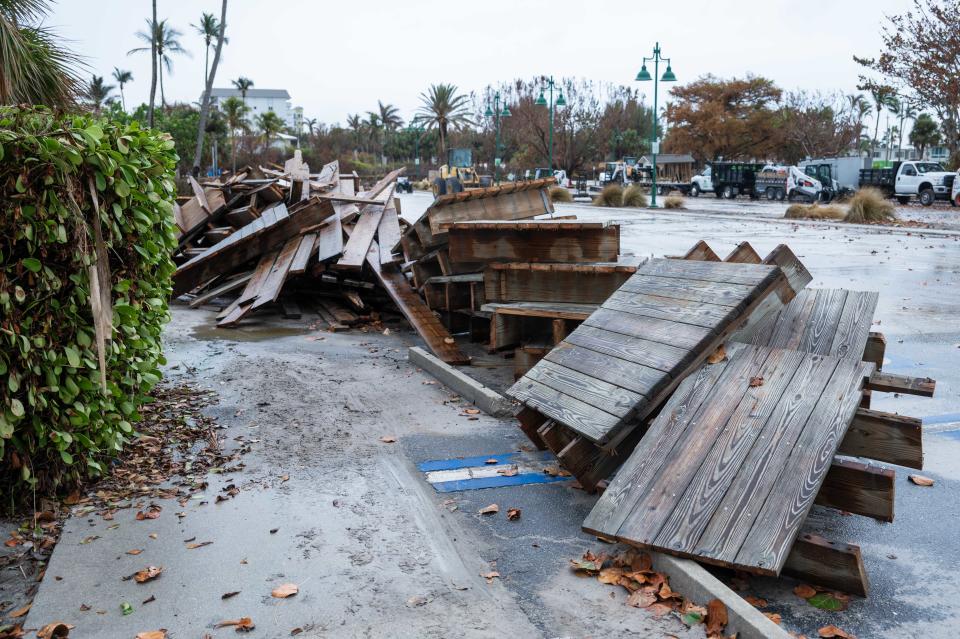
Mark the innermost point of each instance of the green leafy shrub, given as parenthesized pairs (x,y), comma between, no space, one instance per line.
(56,423)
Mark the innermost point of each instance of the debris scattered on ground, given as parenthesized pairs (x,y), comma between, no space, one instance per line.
(920,480)
(489,510)
(284,591)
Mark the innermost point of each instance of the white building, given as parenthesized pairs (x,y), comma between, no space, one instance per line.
(260,101)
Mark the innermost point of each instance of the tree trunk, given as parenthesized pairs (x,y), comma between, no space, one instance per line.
(163,99)
(205,105)
(153,66)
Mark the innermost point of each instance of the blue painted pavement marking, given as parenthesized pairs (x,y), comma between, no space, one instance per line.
(495,482)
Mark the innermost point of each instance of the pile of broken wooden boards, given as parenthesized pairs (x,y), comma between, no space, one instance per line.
(732,399)
(249,237)
(517,283)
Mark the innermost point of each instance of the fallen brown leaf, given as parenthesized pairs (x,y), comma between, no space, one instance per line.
(152,634)
(773,616)
(284,591)
(490,576)
(920,480)
(716,617)
(756,381)
(641,599)
(21,612)
(756,602)
(148,573)
(388,439)
(135,551)
(200,544)
(804,591)
(828,632)
(610,575)
(492,509)
(55,630)
(149,599)
(513,513)
(243,624)
(718,355)
(472,411)
(659,609)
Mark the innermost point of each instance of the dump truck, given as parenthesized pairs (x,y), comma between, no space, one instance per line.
(786,182)
(730,179)
(927,181)
(457,174)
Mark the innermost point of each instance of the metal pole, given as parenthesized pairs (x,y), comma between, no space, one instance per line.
(551,125)
(417,151)
(496,145)
(653,134)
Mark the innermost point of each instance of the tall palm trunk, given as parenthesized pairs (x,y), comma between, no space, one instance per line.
(163,99)
(123,100)
(206,63)
(205,105)
(153,65)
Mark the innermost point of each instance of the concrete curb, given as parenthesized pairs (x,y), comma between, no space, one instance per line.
(489,401)
(695,583)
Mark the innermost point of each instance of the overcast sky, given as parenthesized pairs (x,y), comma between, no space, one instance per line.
(341,57)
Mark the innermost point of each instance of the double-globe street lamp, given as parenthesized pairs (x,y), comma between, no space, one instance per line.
(644,76)
(542,101)
(497,114)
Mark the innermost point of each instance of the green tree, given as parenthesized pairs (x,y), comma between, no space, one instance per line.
(884,97)
(925,133)
(221,25)
(98,93)
(209,29)
(355,123)
(905,110)
(34,68)
(122,77)
(269,124)
(443,109)
(166,41)
(311,124)
(243,85)
(235,113)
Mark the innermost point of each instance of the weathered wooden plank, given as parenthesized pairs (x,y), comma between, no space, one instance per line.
(252,289)
(608,397)
(744,254)
(685,336)
(669,308)
(541,285)
(251,241)
(829,564)
(302,257)
(733,295)
(329,242)
(542,309)
(531,422)
(534,243)
(721,272)
(663,357)
(585,418)
(640,379)
(355,251)
(388,234)
(792,321)
(226,287)
(701,251)
(875,349)
(858,488)
(821,327)
(734,516)
(886,437)
(791,498)
(270,289)
(853,327)
(890,383)
(488,204)
(647,460)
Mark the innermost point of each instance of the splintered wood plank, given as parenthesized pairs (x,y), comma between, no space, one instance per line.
(330,239)
(886,437)
(890,383)
(587,418)
(542,309)
(427,325)
(252,241)
(270,290)
(492,203)
(647,460)
(233,284)
(252,289)
(766,547)
(833,565)
(355,251)
(388,235)
(302,257)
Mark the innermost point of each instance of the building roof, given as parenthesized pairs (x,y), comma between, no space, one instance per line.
(251,93)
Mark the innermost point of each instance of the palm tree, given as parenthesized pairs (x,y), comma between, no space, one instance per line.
(442,109)
(906,110)
(389,116)
(235,112)
(208,29)
(221,25)
(356,125)
(270,125)
(122,77)
(243,85)
(166,40)
(34,68)
(311,125)
(98,93)
(882,99)
(153,65)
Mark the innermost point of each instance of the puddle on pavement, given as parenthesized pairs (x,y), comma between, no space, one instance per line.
(247,333)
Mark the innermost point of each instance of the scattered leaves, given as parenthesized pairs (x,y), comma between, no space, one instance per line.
(513,514)
(774,617)
(126,608)
(920,480)
(804,591)
(16,614)
(831,631)
(284,591)
(243,624)
(756,602)
(55,630)
(641,598)
(135,551)
(200,544)
(834,601)
(152,634)
(718,355)
(509,471)
(147,574)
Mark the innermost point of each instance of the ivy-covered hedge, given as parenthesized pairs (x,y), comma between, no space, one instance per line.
(56,422)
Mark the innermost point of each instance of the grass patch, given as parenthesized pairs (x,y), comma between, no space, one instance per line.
(869,205)
(611,195)
(815,212)
(560,194)
(634,196)
(673,202)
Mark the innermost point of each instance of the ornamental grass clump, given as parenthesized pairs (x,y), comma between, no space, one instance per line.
(611,195)
(634,196)
(560,194)
(86,234)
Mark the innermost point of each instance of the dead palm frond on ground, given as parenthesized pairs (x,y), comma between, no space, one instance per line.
(34,68)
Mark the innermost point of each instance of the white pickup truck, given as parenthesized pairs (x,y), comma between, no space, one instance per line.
(927,181)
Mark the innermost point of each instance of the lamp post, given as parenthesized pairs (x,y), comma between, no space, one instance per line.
(542,101)
(497,114)
(644,76)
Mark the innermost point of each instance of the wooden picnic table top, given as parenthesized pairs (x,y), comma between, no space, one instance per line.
(732,464)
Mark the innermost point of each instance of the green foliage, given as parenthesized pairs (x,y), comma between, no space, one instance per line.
(181,122)
(56,424)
